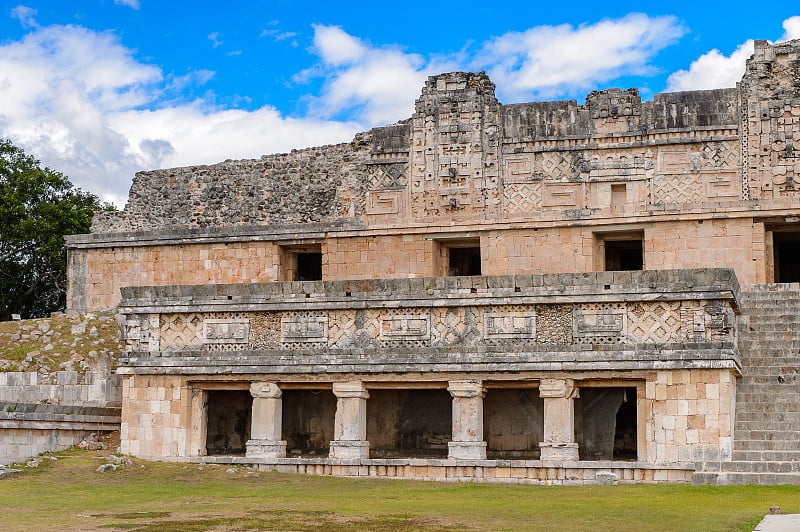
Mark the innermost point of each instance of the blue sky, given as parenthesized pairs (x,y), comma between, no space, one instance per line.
(100,89)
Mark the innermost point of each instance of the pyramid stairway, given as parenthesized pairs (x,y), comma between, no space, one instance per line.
(766,447)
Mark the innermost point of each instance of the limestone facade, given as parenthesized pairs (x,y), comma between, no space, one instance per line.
(544,291)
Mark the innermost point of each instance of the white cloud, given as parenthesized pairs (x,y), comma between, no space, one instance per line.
(130,3)
(214,38)
(791,28)
(336,47)
(377,85)
(714,69)
(544,61)
(25,15)
(79,101)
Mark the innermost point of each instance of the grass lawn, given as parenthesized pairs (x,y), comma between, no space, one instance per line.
(69,494)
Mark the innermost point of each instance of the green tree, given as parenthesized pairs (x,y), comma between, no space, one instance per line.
(38,206)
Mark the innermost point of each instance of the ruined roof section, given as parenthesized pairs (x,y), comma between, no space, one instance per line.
(298,187)
(455,142)
(527,122)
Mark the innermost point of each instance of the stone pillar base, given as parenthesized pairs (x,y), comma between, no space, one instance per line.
(266,449)
(466,450)
(349,449)
(551,451)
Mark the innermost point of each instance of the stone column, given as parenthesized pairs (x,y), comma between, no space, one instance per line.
(467,443)
(265,426)
(559,420)
(350,425)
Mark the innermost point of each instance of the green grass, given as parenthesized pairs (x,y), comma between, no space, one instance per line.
(69,494)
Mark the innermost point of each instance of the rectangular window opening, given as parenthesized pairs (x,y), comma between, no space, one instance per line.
(301,262)
(460,257)
(622,251)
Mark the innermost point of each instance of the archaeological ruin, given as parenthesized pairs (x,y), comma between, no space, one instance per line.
(542,292)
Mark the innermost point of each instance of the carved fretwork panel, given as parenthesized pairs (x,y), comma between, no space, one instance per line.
(494,326)
(387,175)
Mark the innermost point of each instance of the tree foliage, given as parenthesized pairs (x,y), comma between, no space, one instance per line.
(38,206)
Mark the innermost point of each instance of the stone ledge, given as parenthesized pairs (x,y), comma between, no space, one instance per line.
(650,285)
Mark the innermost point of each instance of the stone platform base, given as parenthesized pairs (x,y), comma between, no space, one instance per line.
(500,471)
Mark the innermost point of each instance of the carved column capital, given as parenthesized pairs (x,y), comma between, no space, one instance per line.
(557,388)
(355,389)
(466,388)
(265,390)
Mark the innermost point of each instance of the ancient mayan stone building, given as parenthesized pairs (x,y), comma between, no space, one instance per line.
(540,292)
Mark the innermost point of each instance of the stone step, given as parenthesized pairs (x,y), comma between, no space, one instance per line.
(785,399)
(768,456)
(758,371)
(787,436)
(767,424)
(742,444)
(744,416)
(746,478)
(764,390)
(763,409)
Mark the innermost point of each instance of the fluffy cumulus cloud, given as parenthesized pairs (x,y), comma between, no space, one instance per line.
(81,102)
(714,69)
(553,60)
(377,85)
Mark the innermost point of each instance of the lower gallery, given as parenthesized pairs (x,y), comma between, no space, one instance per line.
(477,378)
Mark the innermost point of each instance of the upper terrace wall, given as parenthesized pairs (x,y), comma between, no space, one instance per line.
(463,157)
(465,165)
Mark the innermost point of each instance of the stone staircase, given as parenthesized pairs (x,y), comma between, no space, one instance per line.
(766,448)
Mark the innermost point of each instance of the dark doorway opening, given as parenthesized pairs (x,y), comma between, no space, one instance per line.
(624,255)
(513,423)
(606,424)
(409,423)
(228,421)
(308,421)
(464,261)
(309,267)
(787,256)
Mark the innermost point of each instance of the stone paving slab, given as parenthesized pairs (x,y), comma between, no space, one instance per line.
(779,523)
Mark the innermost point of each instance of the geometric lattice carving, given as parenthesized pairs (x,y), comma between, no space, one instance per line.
(555,166)
(685,188)
(182,331)
(522,198)
(717,155)
(387,176)
(407,328)
(654,322)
